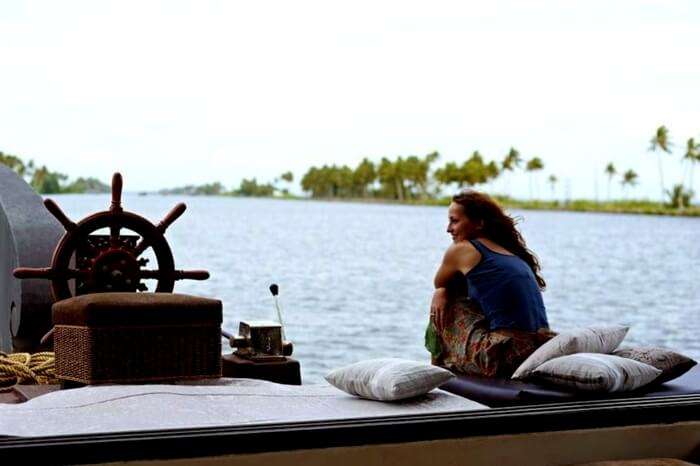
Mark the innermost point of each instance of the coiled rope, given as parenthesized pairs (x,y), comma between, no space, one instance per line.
(27,368)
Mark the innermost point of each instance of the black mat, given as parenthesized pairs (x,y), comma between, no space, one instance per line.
(506,392)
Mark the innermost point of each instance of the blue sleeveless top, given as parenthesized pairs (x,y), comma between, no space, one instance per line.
(506,288)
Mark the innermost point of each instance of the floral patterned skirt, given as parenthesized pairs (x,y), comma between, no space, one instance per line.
(468,345)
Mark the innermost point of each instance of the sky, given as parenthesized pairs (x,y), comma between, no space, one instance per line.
(173,93)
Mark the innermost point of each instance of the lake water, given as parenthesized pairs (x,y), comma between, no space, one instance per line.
(356,279)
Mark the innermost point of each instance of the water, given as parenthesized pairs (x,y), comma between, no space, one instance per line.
(356,279)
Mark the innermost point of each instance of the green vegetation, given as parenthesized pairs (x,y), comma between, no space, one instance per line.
(533,165)
(661,141)
(417,180)
(679,197)
(474,171)
(86,185)
(209,189)
(45,181)
(690,158)
(410,180)
(251,188)
(613,207)
(247,188)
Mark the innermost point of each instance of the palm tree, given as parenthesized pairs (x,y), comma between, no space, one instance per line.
(692,167)
(679,197)
(533,165)
(611,172)
(14,163)
(661,141)
(511,161)
(692,155)
(391,177)
(491,172)
(416,171)
(287,176)
(552,181)
(629,178)
(364,175)
(447,175)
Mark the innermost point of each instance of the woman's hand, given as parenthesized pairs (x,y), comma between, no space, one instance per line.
(438,308)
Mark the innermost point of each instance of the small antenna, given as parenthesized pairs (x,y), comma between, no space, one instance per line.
(275,290)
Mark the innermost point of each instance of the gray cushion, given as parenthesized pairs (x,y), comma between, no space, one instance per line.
(388,379)
(507,392)
(594,339)
(670,363)
(596,372)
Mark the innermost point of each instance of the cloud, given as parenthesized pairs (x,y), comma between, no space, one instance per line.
(185,92)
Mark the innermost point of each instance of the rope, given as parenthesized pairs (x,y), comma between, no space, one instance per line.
(23,368)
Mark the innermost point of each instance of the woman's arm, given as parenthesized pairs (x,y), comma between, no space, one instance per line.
(459,257)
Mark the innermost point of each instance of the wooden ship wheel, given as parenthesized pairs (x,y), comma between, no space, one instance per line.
(110,263)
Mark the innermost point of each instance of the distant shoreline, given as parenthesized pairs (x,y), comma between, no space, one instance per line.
(581,205)
(634,207)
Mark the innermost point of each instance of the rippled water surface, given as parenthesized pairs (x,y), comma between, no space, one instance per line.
(356,279)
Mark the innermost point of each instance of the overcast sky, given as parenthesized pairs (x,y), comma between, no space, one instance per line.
(173,93)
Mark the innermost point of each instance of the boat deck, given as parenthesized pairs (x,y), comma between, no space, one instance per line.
(213,403)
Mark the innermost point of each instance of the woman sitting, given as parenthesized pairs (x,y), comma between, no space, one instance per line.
(487,306)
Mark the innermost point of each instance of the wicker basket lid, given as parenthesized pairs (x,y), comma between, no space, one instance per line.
(135,309)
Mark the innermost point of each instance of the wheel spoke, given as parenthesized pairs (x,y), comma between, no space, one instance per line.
(171,216)
(28,272)
(56,211)
(117,184)
(190,275)
(114,231)
(51,274)
(150,274)
(141,246)
(73,273)
(175,275)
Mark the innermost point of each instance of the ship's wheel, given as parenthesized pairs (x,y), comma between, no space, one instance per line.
(110,263)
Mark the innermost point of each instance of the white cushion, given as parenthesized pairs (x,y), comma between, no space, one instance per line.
(596,372)
(594,339)
(388,379)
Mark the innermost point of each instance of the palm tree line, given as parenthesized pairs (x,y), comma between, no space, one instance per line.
(679,195)
(412,177)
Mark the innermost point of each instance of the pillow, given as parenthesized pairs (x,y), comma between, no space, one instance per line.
(594,339)
(388,379)
(670,363)
(596,372)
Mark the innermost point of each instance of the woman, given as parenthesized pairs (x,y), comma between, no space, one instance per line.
(487,306)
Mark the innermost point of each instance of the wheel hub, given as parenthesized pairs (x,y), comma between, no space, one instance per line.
(115,270)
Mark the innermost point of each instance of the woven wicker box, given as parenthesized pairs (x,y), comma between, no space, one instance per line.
(137,337)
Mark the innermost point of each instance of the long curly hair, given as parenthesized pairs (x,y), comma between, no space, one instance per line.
(498,226)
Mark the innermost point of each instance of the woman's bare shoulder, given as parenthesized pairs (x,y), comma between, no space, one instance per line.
(461,256)
(462,253)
